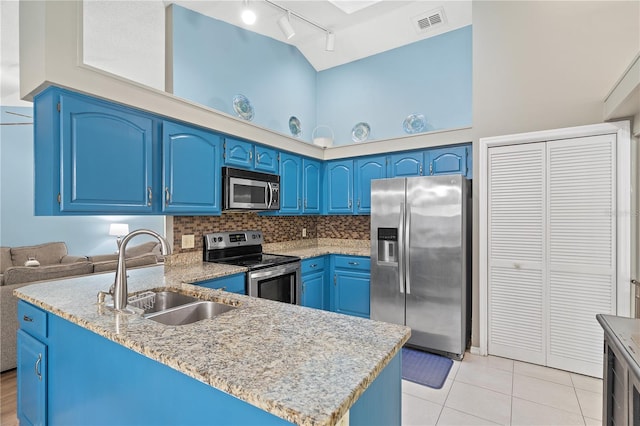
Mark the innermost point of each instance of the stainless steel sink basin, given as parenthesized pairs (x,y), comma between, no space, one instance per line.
(168,299)
(190,313)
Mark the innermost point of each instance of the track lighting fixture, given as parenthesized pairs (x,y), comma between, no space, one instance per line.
(285,25)
(284,22)
(330,41)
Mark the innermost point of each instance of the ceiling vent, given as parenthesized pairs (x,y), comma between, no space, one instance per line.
(428,20)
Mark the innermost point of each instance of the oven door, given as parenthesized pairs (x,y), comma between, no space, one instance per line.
(280,283)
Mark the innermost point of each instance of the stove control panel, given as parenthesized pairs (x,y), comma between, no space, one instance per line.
(221,240)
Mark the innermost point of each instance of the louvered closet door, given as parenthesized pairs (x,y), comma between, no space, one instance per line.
(516,221)
(581,249)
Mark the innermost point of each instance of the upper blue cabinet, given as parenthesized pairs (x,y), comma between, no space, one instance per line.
(191,170)
(249,156)
(444,161)
(300,180)
(339,186)
(367,169)
(91,157)
(438,161)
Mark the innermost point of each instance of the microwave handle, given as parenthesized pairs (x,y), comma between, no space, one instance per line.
(269,194)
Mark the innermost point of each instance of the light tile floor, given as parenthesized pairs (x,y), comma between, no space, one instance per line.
(491,390)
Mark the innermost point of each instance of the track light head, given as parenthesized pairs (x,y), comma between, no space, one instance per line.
(330,41)
(285,25)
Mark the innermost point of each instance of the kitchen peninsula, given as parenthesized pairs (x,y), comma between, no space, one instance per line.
(262,363)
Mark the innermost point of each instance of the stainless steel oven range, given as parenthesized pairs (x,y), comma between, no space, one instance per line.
(270,276)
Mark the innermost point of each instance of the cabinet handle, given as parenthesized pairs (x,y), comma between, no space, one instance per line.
(27,319)
(305,203)
(430,168)
(334,279)
(37,367)
(149,196)
(298,202)
(349,203)
(314,265)
(420,169)
(223,288)
(167,196)
(358,203)
(354,263)
(250,155)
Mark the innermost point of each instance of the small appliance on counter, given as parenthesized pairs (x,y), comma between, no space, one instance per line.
(270,276)
(420,259)
(249,191)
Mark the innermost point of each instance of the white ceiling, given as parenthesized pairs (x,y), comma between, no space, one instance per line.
(377,27)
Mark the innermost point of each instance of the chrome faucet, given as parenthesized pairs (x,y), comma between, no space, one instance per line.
(119,289)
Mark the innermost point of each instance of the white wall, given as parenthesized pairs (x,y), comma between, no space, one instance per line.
(543,65)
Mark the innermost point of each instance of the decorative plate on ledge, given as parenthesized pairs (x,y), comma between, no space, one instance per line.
(360,132)
(295,127)
(242,107)
(415,123)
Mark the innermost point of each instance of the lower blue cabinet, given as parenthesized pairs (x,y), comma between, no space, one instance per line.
(232,283)
(351,285)
(314,283)
(32,371)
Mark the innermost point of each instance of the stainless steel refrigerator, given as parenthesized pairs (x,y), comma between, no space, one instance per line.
(420,259)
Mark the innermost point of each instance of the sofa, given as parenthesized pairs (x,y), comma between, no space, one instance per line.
(54,263)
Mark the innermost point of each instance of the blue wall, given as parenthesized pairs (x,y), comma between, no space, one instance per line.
(84,235)
(214,60)
(431,77)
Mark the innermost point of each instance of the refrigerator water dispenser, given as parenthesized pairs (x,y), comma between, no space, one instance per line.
(388,245)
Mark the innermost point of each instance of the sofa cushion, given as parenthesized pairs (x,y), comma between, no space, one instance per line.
(150,247)
(46,254)
(5,258)
(23,274)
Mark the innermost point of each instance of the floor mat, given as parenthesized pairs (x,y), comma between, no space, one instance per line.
(425,368)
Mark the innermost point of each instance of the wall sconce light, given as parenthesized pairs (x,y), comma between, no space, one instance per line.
(118,230)
(285,25)
(330,41)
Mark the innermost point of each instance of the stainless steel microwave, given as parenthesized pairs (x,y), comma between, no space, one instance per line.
(247,190)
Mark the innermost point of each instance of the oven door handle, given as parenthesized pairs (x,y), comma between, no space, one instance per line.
(274,271)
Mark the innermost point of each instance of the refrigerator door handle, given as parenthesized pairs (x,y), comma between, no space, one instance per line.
(401,249)
(407,248)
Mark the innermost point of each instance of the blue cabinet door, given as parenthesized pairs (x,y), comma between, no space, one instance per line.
(445,161)
(266,159)
(191,170)
(32,380)
(339,186)
(406,164)
(367,169)
(351,295)
(290,183)
(238,153)
(313,290)
(311,185)
(107,158)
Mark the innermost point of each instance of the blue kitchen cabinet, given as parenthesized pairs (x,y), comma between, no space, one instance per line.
(266,159)
(290,183)
(249,156)
(106,157)
(313,275)
(351,285)
(191,170)
(445,161)
(367,169)
(232,283)
(31,365)
(339,186)
(311,181)
(406,164)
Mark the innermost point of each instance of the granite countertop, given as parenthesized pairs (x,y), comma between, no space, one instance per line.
(305,365)
(624,334)
(312,248)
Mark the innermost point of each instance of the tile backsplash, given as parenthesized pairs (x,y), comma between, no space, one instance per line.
(276,229)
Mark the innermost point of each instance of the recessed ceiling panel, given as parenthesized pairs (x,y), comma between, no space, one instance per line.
(350,6)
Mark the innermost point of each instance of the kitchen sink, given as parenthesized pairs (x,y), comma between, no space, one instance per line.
(166,300)
(189,313)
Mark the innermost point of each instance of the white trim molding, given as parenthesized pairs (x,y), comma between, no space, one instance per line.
(624,212)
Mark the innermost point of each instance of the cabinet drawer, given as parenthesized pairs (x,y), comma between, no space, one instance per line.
(313,265)
(353,262)
(32,320)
